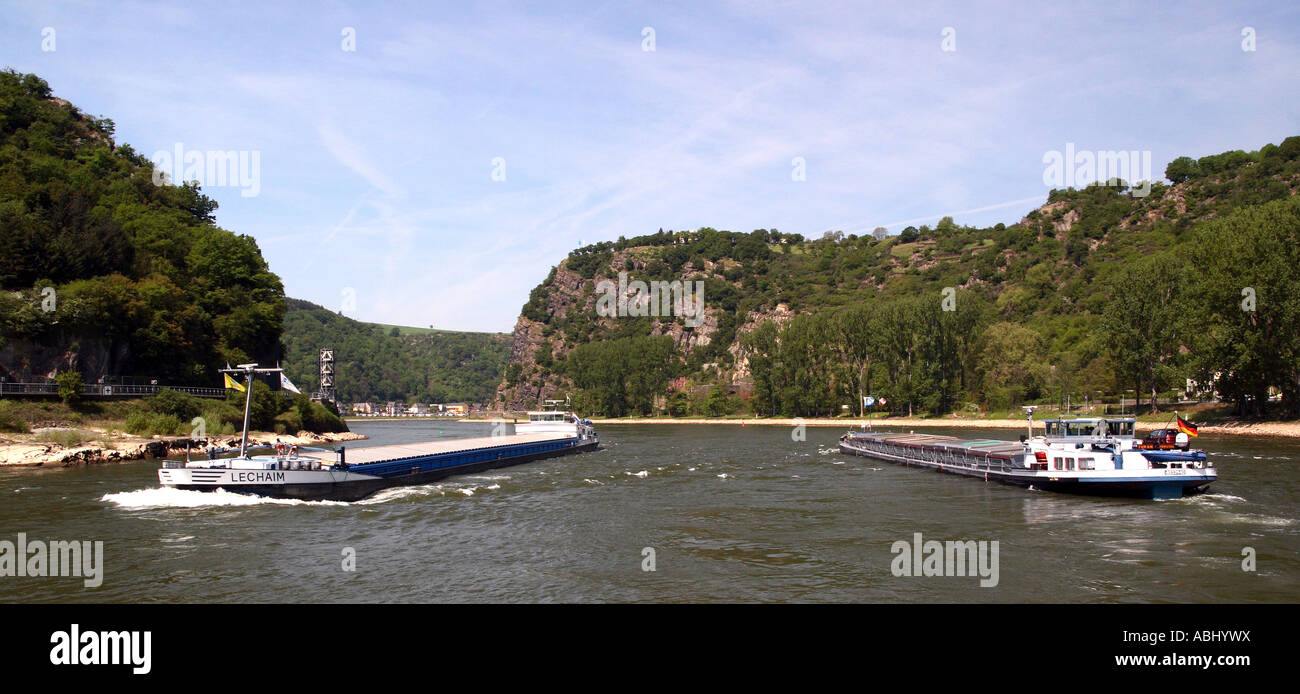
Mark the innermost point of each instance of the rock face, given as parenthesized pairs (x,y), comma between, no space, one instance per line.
(780,315)
(523,394)
(566,295)
(28,360)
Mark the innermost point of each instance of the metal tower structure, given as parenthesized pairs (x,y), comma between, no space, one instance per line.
(327,375)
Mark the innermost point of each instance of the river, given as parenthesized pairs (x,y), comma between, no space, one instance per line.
(719,512)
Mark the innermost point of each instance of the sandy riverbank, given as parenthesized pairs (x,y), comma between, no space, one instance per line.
(1287,429)
(25,450)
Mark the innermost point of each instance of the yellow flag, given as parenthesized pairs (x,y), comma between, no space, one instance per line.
(231,383)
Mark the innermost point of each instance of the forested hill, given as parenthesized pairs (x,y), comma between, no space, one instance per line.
(1097,292)
(377,363)
(104,272)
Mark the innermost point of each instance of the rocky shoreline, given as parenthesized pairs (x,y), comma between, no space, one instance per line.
(16,452)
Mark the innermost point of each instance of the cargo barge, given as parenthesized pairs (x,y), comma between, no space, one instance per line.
(354,474)
(1076,456)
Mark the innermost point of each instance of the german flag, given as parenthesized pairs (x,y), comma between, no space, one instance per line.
(1186,427)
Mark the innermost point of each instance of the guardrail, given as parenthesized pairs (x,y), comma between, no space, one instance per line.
(106,390)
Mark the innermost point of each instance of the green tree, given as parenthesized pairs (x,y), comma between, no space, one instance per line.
(1011,364)
(1142,321)
(70,384)
(860,339)
(1245,308)
(1181,169)
(762,351)
(718,404)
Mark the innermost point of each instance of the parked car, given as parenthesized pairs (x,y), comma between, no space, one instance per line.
(1165,438)
(1161,436)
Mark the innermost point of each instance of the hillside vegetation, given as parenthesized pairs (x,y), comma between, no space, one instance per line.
(1097,292)
(380,363)
(106,273)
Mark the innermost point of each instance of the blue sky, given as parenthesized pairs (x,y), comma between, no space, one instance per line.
(377,164)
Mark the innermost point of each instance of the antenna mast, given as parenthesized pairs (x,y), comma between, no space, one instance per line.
(248,370)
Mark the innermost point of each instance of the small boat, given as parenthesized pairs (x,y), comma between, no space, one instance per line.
(1078,456)
(352,474)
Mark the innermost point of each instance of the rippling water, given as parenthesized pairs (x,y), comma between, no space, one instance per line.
(732,514)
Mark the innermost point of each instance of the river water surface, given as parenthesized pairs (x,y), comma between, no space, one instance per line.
(728,513)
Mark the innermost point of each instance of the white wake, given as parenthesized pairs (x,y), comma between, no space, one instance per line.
(167,497)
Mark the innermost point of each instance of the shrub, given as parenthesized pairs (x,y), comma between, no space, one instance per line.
(10,420)
(317,418)
(151,423)
(70,384)
(288,423)
(183,406)
(218,415)
(266,405)
(63,437)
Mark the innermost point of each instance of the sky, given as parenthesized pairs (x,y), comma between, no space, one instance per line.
(427,163)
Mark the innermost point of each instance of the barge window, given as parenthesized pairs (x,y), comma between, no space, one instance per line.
(1120,428)
(1069,463)
(1057,464)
